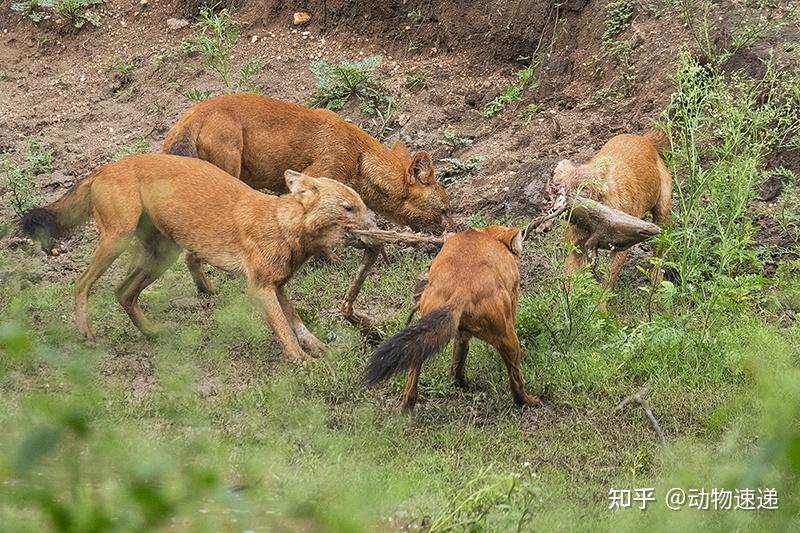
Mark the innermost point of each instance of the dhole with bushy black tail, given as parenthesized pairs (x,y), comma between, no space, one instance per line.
(473,290)
(170,202)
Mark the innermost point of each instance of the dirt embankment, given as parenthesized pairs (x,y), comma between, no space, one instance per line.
(55,84)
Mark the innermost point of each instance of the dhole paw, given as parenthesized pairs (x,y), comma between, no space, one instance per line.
(88,333)
(532,401)
(313,345)
(208,289)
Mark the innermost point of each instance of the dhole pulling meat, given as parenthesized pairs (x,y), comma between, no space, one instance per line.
(472,291)
(627,174)
(170,202)
(256,138)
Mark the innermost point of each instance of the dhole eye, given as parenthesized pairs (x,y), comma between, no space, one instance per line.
(348,208)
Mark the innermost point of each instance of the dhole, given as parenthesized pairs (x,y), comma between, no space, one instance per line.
(473,289)
(256,138)
(170,202)
(627,174)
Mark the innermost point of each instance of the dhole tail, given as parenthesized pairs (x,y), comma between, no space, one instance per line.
(45,224)
(658,138)
(413,345)
(181,144)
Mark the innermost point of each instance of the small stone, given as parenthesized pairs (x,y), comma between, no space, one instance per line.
(176,24)
(143,2)
(254,39)
(300,18)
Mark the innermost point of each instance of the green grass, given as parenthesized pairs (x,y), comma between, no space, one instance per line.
(209,427)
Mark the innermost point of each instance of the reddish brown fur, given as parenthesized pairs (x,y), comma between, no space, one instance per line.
(170,202)
(627,174)
(475,279)
(256,138)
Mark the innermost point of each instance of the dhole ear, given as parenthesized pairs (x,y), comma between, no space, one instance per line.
(421,168)
(512,238)
(299,184)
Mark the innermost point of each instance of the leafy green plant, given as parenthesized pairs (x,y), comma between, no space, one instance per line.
(36,10)
(122,70)
(216,36)
(139,146)
(510,93)
(18,177)
(337,83)
(196,95)
(75,12)
(619,15)
(721,129)
(454,140)
(78,12)
(458,169)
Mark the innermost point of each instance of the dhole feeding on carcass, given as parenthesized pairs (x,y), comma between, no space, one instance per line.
(472,290)
(627,174)
(170,202)
(256,138)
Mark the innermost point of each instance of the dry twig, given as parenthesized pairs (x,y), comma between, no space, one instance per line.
(640,397)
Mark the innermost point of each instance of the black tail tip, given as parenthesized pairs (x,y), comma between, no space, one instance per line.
(41,225)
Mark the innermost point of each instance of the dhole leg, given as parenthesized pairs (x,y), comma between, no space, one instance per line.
(158,254)
(511,352)
(201,281)
(617,263)
(576,257)
(410,395)
(460,350)
(108,249)
(273,312)
(307,339)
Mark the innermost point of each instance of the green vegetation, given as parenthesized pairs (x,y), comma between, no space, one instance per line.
(336,84)
(75,12)
(511,93)
(16,177)
(139,146)
(457,169)
(416,80)
(216,37)
(454,140)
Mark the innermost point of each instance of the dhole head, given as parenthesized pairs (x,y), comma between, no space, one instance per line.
(331,207)
(425,205)
(510,237)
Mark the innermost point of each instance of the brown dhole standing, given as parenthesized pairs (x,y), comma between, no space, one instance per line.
(472,291)
(256,138)
(170,202)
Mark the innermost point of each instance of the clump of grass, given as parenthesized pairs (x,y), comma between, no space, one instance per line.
(139,146)
(17,177)
(122,69)
(458,169)
(416,80)
(216,36)
(510,93)
(36,10)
